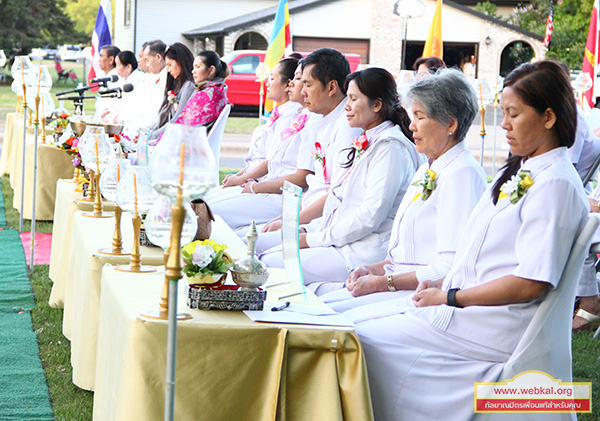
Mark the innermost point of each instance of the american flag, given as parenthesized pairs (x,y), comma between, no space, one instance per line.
(549,27)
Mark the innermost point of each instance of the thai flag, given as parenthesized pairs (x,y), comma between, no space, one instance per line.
(100,38)
(549,26)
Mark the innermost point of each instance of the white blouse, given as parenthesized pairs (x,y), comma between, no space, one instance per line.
(360,207)
(334,134)
(283,156)
(261,146)
(531,239)
(425,233)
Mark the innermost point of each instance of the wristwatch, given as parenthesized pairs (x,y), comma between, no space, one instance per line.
(391,286)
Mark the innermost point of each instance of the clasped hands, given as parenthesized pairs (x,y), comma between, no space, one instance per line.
(362,281)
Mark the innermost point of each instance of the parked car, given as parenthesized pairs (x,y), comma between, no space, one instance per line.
(243,86)
(69,52)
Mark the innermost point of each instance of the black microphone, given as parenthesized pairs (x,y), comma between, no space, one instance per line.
(128,87)
(112,78)
(78,90)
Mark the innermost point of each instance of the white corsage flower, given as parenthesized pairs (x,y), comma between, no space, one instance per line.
(203,255)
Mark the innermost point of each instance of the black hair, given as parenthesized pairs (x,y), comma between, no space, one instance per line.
(542,85)
(184,57)
(128,58)
(210,58)
(157,47)
(379,84)
(329,64)
(111,50)
(287,68)
(432,64)
(297,56)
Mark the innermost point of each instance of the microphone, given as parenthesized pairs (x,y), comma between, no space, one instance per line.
(78,90)
(128,87)
(112,78)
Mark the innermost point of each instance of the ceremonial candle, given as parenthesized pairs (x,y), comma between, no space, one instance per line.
(118,173)
(39,81)
(135,207)
(97,159)
(181,164)
(43,113)
(481,95)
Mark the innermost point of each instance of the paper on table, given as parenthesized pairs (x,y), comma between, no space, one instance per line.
(321,310)
(269,316)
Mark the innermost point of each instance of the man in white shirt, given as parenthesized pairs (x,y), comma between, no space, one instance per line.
(107,63)
(324,74)
(153,86)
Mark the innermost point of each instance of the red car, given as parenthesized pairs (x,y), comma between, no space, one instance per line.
(243,87)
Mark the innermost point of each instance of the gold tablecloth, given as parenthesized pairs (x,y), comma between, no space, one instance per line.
(7,144)
(83,282)
(53,164)
(228,367)
(65,205)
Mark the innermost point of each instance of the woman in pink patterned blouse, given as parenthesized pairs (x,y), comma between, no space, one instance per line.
(211,97)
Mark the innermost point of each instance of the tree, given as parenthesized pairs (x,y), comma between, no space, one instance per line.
(83,13)
(488,8)
(571,22)
(25,24)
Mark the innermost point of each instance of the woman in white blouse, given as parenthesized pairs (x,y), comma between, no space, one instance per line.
(424,352)
(429,222)
(360,207)
(259,200)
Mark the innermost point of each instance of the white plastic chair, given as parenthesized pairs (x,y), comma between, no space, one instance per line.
(216,136)
(546,344)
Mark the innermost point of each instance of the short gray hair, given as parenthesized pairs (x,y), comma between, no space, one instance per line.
(447,95)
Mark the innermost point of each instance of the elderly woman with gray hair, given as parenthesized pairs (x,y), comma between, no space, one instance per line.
(435,208)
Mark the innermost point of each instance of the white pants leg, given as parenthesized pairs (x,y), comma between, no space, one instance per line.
(587,285)
(218,194)
(343,300)
(267,240)
(321,266)
(417,372)
(240,210)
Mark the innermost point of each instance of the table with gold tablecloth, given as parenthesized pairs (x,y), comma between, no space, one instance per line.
(66,203)
(53,164)
(7,143)
(83,282)
(228,367)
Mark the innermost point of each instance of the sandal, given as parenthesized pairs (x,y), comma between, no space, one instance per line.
(592,321)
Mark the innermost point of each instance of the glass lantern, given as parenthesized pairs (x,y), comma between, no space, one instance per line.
(159,220)
(20,68)
(115,170)
(2,58)
(96,150)
(39,79)
(183,153)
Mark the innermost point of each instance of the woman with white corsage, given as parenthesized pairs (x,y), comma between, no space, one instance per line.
(435,209)
(425,352)
(360,207)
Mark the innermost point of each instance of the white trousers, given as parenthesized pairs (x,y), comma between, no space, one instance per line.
(587,286)
(240,209)
(323,268)
(417,372)
(343,300)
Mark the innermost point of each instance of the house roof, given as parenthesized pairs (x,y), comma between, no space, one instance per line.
(299,5)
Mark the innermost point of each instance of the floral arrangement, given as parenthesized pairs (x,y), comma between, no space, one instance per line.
(427,182)
(60,123)
(124,141)
(205,258)
(69,145)
(360,144)
(516,187)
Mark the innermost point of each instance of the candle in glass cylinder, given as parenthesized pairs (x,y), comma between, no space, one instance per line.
(135,202)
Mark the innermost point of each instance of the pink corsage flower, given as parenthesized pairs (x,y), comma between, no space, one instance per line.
(274,116)
(296,127)
(360,144)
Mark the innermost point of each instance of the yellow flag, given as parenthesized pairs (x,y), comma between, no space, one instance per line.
(434,46)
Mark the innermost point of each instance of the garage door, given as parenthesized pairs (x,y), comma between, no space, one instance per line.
(346,46)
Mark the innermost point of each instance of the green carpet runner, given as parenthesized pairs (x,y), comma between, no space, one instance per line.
(23,389)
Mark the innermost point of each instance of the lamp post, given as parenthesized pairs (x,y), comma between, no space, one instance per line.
(407,9)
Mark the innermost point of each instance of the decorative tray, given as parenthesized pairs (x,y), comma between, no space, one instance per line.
(224,297)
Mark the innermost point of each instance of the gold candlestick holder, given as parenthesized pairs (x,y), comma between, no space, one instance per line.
(136,257)
(19,109)
(117,242)
(43,136)
(172,265)
(29,117)
(97,213)
(482,114)
(36,118)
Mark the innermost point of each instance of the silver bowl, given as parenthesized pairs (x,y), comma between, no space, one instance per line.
(79,127)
